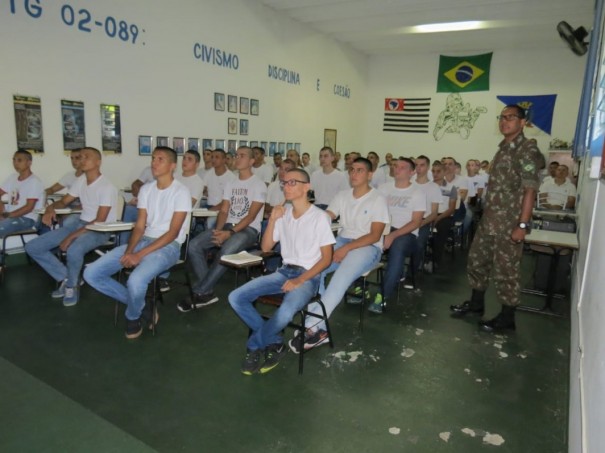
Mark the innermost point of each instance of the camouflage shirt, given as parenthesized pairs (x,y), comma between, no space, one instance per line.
(514,169)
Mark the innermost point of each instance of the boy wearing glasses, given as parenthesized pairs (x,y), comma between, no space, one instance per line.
(363,215)
(306,239)
(498,244)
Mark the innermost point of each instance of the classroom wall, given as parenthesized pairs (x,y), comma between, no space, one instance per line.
(160,85)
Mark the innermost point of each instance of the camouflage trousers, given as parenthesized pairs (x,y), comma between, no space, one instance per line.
(496,258)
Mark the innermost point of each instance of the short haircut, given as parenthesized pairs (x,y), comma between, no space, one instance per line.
(554,162)
(261,149)
(168,151)
(290,162)
(457,164)
(25,154)
(94,150)
(277,154)
(248,150)
(76,150)
(195,154)
(306,154)
(304,175)
(424,158)
(366,162)
(373,153)
(437,164)
(409,161)
(220,150)
(327,148)
(485,162)
(521,112)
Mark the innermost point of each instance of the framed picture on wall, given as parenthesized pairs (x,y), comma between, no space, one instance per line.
(264,145)
(219,143)
(162,141)
(289,145)
(253,144)
(243,143)
(232,104)
(232,126)
(297,147)
(193,143)
(145,145)
(178,144)
(219,102)
(207,144)
(243,127)
(281,147)
(330,138)
(232,146)
(254,107)
(272,148)
(244,105)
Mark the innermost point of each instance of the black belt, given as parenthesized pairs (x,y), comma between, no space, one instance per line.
(295,267)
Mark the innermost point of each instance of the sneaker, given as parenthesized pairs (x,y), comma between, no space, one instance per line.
(134,329)
(146,315)
(72,295)
(198,301)
(315,339)
(295,342)
(164,285)
(377,305)
(251,363)
(273,354)
(59,293)
(357,296)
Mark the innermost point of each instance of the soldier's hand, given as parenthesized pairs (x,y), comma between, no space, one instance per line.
(518,235)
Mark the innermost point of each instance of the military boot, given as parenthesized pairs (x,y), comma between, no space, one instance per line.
(504,321)
(475,306)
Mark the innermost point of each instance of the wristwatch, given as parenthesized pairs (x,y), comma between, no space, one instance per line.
(524,226)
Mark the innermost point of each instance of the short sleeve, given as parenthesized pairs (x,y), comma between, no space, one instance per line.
(530,159)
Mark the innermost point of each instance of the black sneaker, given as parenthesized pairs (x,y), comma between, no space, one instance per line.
(273,354)
(164,285)
(295,343)
(315,339)
(134,329)
(251,363)
(198,301)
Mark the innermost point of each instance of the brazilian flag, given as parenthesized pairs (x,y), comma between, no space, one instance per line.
(463,74)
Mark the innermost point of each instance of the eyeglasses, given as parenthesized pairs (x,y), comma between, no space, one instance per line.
(507,117)
(290,182)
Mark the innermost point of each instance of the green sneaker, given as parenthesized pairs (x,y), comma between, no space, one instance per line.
(273,354)
(251,363)
(357,296)
(377,305)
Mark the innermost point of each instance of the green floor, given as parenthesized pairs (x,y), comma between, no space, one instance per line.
(414,380)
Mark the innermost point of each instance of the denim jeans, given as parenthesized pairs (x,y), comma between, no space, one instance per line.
(423,238)
(14,224)
(401,247)
(356,263)
(98,274)
(131,212)
(207,277)
(41,250)
(265,333)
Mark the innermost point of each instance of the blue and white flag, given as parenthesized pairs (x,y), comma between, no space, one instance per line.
(540,110)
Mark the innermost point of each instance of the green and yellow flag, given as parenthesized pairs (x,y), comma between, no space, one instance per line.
(463,74)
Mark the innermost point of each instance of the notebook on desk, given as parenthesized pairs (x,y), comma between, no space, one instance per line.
(241,258)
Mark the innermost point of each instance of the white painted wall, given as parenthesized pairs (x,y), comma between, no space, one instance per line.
(514,72)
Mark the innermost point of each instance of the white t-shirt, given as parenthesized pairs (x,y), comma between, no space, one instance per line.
(202,172)
(557,194)
(68,179)
(462,183)
(429,176)
(100,193)
(216,185)
(403,203)
(448,192)
(264,172)
(432,192)
(358,214)
(310,169)
(240,195)
(161,206)
(381,176)
(302,238)
(146,175)
(326,186)
(31,188)
(194,184)
(275,194)
(476,182)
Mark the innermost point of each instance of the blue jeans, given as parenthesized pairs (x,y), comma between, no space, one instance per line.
(265,333)
(421,240)
(98,274)
(207,277)
(400,248)
(14,224)
(356,263)
(41,250)
(131,212)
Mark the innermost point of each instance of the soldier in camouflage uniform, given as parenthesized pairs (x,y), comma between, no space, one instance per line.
(498,244)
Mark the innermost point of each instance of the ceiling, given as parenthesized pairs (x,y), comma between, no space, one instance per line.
(382,27)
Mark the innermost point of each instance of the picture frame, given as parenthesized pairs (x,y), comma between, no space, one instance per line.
(272,148)
(281,148)
(145,145)
(243,143)
(297,147)
(219,102)
(162,140)
(207,144)
(219,143)
(178,144)
(232,146)
(289,145)
(264,145)
(254,107)
(232,126)
(253,144)
(244,105)
(232,104)
(193,143)
(243,127)
(330,138)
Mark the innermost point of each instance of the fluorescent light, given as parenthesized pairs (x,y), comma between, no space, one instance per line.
(448,26)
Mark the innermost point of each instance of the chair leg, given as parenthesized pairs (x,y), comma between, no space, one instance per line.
(364,286)
(301,345)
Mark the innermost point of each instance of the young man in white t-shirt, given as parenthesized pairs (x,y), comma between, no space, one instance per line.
(444,220)
(307,165)
(406,208)
(216,179)
(190,177)
(260,168)
(558,193)
(154,245)
(363,215)
(275,192)
(207,156)
(237,228)
(99,199)
(25,195)
(327,181)
(472,203)
(70,177)
(306,239)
